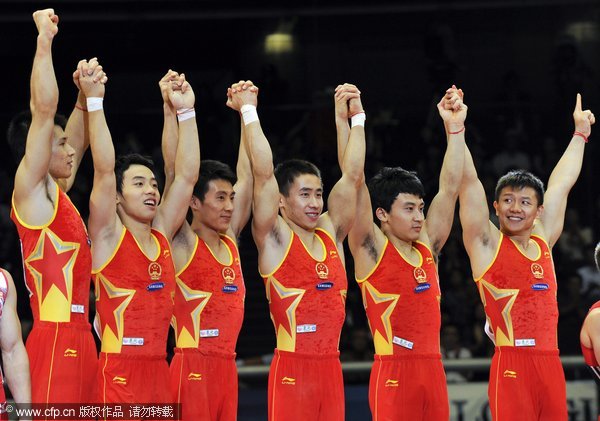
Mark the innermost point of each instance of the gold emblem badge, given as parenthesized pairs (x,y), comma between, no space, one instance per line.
(322,270)
(537,270)
(420,275)
(228,275)
(155,271)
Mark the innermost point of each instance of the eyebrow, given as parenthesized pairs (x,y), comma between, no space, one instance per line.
(141,177)
(308,189)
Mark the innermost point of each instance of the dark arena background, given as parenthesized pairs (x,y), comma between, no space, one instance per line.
(520,64)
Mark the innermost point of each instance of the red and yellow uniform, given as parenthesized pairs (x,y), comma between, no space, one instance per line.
(57,263)
(307,303)
(519,296)
(208,316)
(402,302)
(134,304)
(588,353)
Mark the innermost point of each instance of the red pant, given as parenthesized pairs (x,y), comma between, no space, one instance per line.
(527,384)
(411,387)
(206,385)
(134,379)
(63,363)
(306,387)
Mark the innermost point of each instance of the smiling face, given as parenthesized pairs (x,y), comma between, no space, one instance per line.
(304,203)
(216,209)
(139,195)
(517,209)
(405,218)
(61,161)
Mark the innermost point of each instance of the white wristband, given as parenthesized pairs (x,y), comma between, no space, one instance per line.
(185,114)
(249,114)
(358,119)
(94,103)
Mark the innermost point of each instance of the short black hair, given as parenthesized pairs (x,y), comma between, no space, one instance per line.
(518,180)
(389,182)
(16,135)
(125,161)
(287,171)
(212,170)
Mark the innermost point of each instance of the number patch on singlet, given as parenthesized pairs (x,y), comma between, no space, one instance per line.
(306,328)
(524,342)
(77,308)
(209,333)
(403,342)
(133,341)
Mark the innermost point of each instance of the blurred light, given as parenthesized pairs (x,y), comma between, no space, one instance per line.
(584,31)
(278,43)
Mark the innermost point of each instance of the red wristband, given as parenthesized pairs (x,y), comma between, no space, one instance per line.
(80,108)
(460,131)
(584,137)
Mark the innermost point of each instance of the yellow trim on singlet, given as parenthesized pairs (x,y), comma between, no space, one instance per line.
(158,248)
(37,227)
(493,259)
(289,246)
(216,258)
(543,241)
(385,244)
(112,256)
(524,255)
(406,260)
(322,243)
(189,260)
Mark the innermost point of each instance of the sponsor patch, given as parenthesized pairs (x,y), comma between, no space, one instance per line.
(155,286)
(133,341)
(422,287)
(540,287)
(194,376)
(510,373)
(77,308)
(230,289)
(322,286)
(288,380)
(306,328)
(119,380)
(403,342)
(209,333)
(524,342)
(391,383)
(70,353)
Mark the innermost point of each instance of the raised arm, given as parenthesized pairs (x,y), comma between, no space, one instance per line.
(341,203)
(103,225)
(170,131)
(32,172)
(565,175)
(14,355)
(265,203)
(174,206)
(76,129)
(441,211)
(244,185)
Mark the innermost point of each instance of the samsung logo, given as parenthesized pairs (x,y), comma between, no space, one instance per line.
(540,287)
(230,289)
(422,287)
(324,285)
(155,286)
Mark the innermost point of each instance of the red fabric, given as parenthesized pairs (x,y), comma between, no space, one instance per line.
(206,385)
(210,296)
(57,264)
(399,306)
(299,298)
(588,353)
(63,363)
(520,306)
(135,379)
(134,298)
(408,388)
(306,387)
(526,384)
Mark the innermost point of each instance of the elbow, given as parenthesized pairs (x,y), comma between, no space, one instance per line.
(45,108)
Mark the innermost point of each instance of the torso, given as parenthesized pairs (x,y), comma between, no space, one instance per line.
(402,301)
(134,297)
(518,292)
(57,263)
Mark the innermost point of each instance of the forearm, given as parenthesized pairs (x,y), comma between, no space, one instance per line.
(453,165)
(259,152)
(187,160)
(353,165)
(44,89)
(76,129)
(243,167)
(567,169)
(343,134)
(103,151)
(170,134)
(16,368)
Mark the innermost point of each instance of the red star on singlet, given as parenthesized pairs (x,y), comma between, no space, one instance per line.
(379,307)
(51,266)
(112,303)
(498,304)
(193,302)
(283,303)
